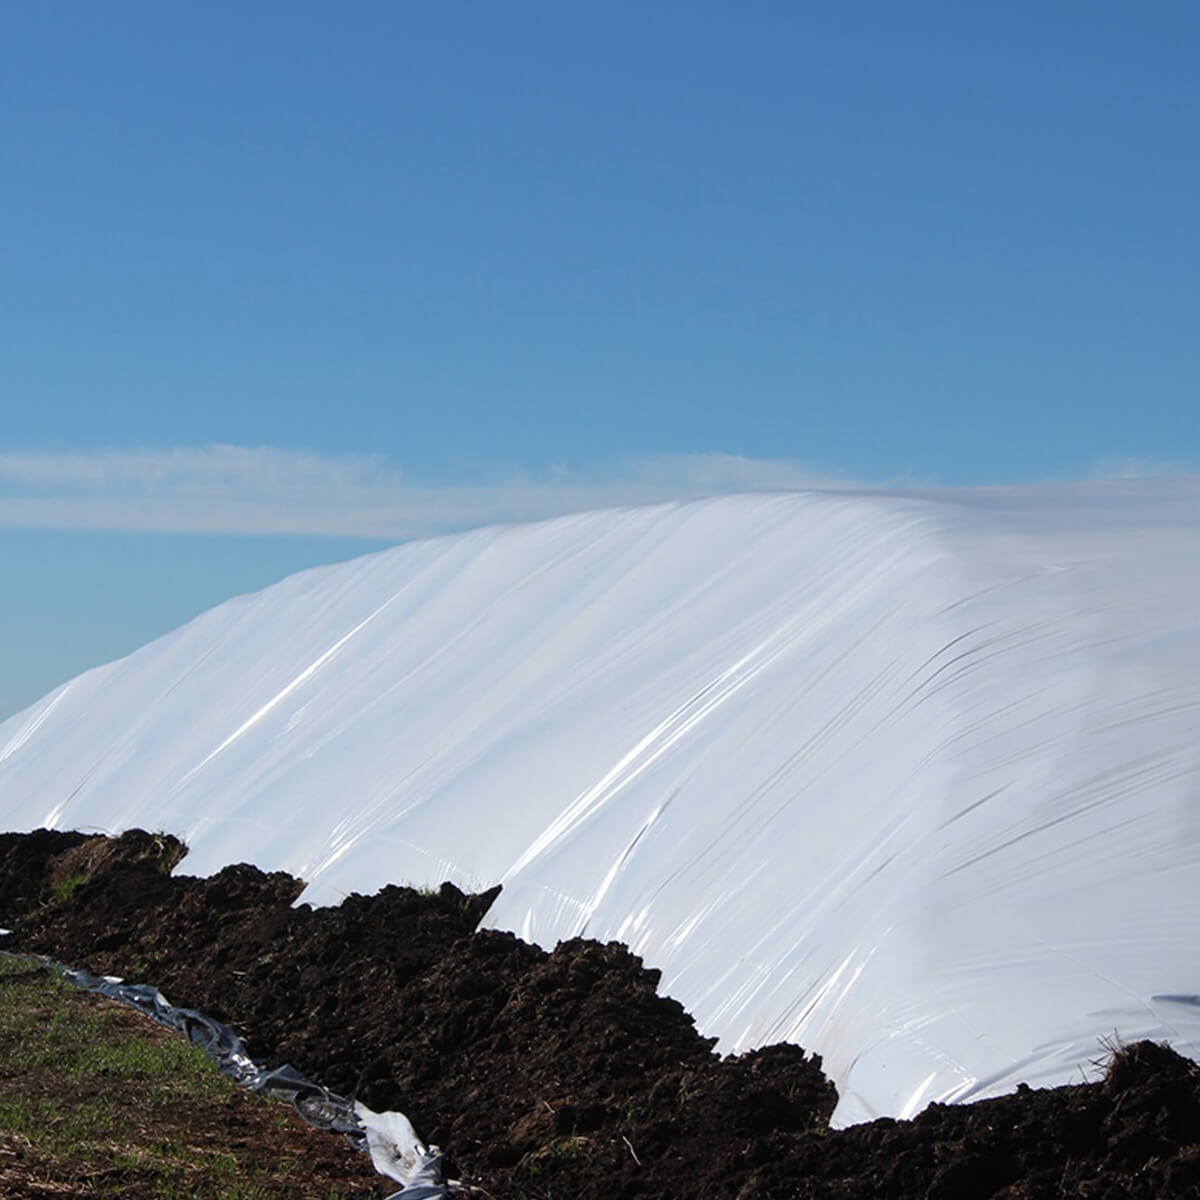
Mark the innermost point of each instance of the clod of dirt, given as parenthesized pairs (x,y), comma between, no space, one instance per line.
(25,868)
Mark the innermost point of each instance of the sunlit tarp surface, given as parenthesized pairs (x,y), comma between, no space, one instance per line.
(910,779)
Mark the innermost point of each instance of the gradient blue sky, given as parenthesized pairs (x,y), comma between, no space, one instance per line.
(281,282)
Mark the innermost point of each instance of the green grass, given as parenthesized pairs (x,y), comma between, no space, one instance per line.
(65,888)
(98,1098)
(75,1046)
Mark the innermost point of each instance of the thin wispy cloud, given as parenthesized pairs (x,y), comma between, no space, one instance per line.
(1135,467)
(266,490)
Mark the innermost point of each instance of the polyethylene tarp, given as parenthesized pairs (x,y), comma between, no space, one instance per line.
(910,779)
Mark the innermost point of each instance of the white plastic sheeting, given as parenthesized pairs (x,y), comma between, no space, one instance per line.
(910,779)
(397,1152)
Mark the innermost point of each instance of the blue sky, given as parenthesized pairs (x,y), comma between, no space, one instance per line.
(283,282)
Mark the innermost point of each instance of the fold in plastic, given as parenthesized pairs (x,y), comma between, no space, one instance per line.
(398,1153)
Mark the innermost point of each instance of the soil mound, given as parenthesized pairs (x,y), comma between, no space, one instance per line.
(562,1074)
(26,861)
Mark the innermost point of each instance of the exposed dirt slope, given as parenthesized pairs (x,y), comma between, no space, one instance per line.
(563,1074)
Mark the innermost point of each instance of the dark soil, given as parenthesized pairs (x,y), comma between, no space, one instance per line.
(563,1074)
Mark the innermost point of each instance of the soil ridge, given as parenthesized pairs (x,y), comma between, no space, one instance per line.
(562,1073)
